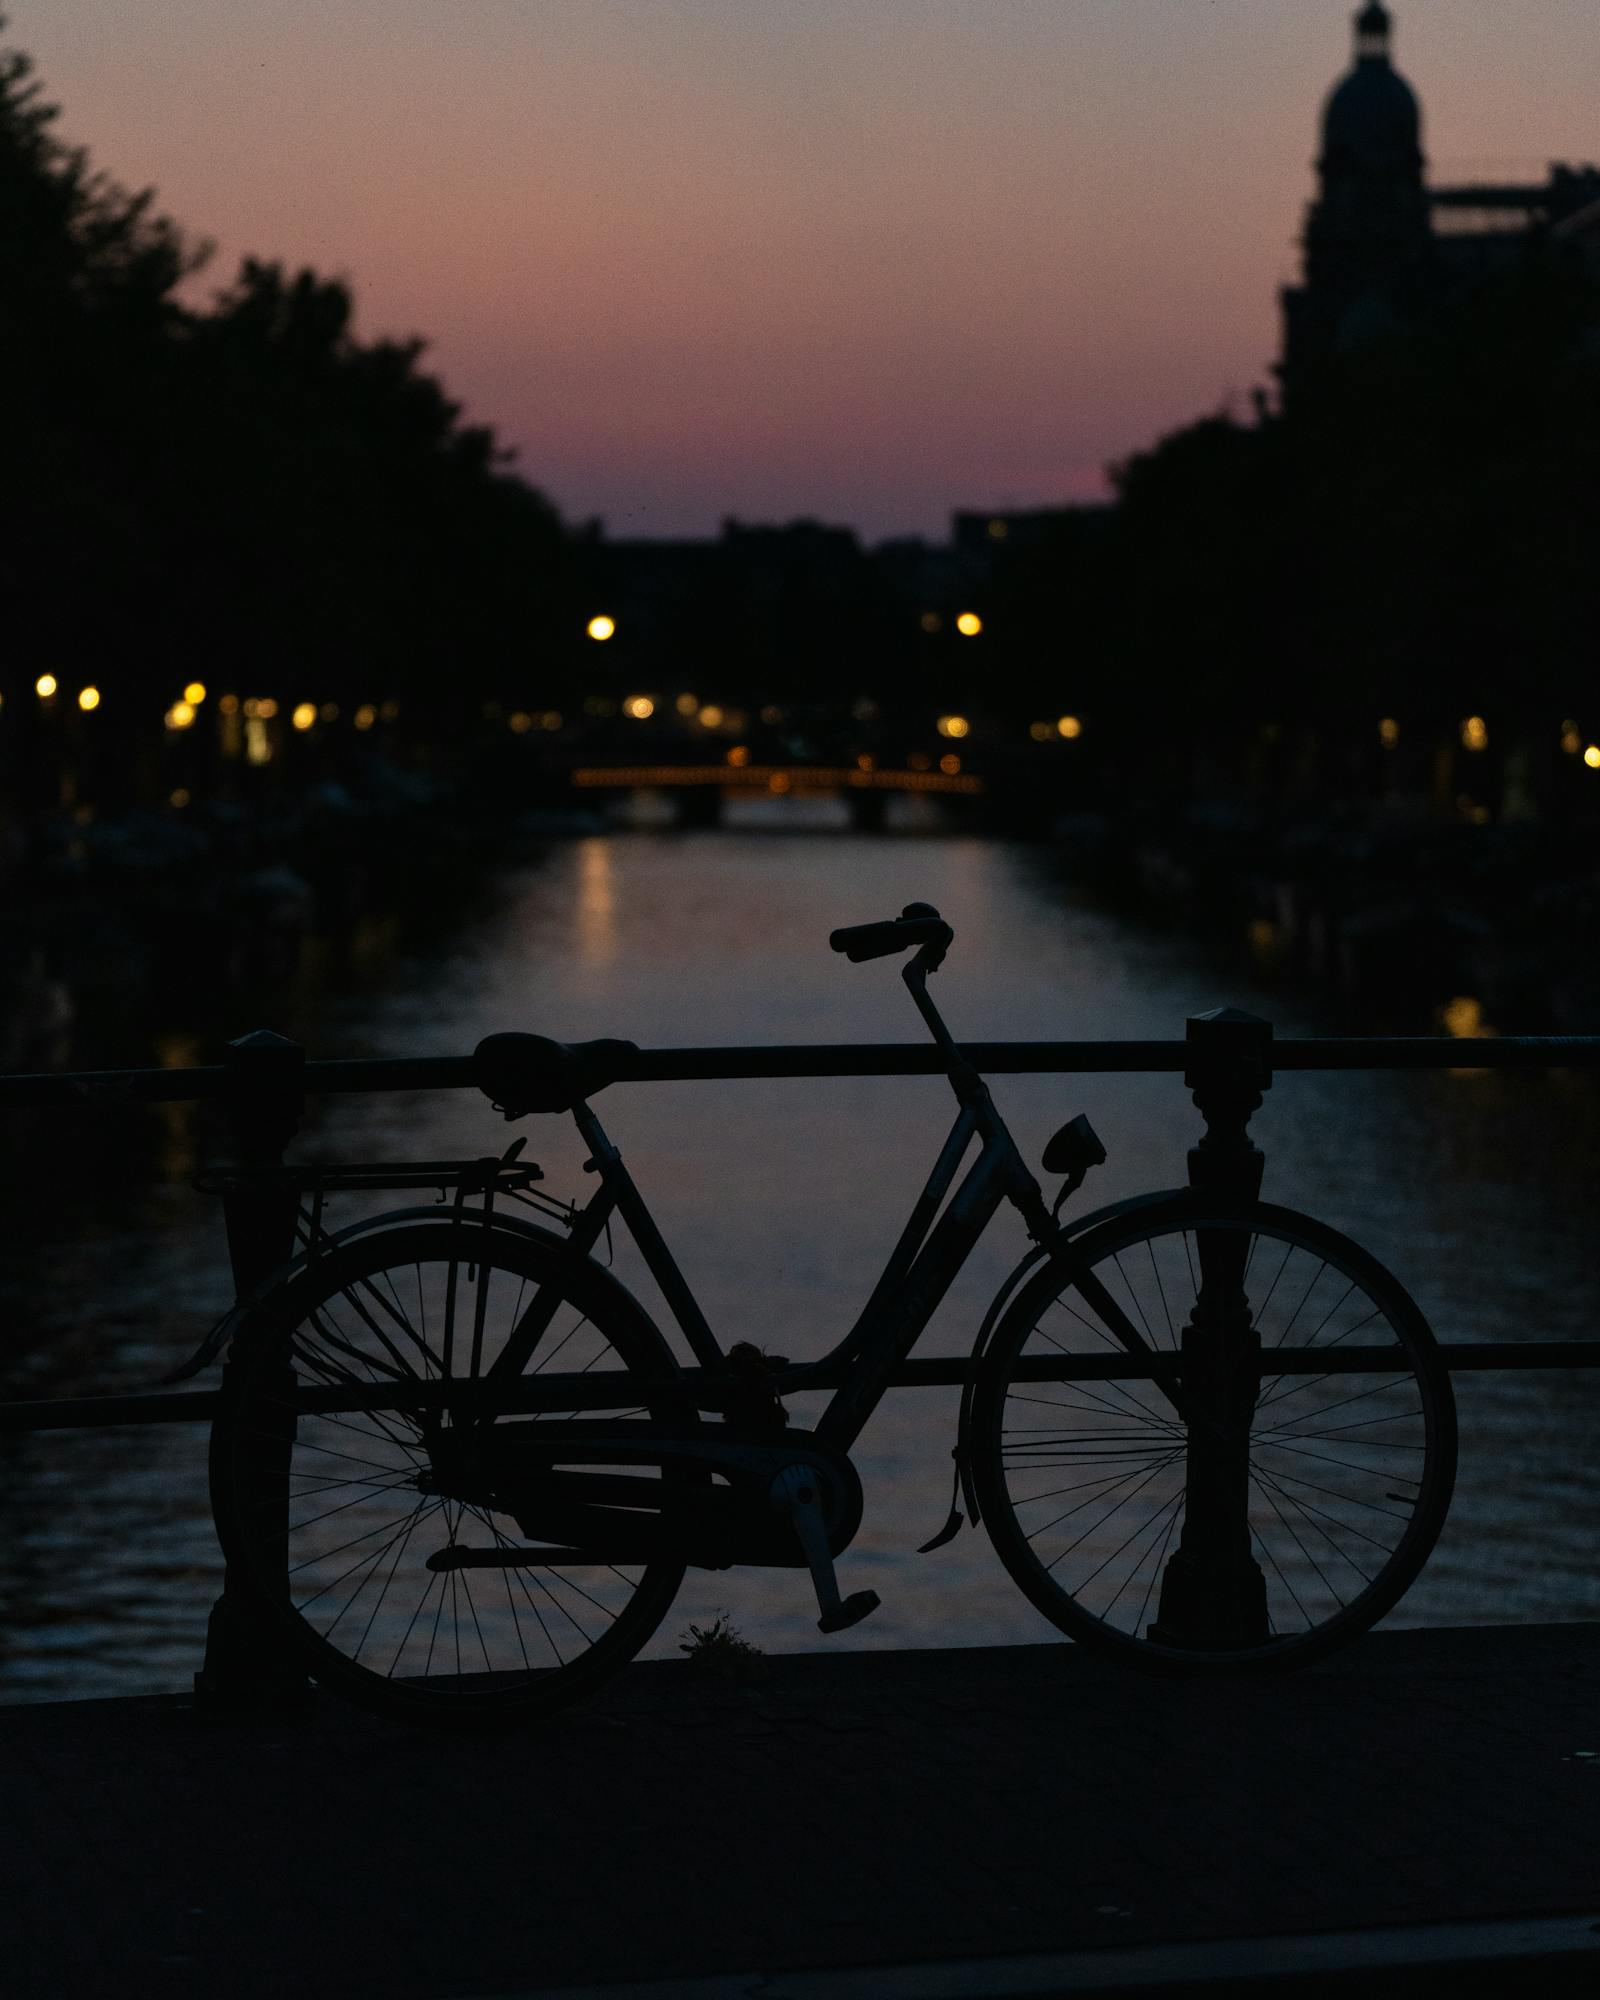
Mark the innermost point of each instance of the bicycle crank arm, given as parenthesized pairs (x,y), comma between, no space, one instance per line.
(795,1493)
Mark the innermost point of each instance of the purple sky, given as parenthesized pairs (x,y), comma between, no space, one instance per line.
(862,259)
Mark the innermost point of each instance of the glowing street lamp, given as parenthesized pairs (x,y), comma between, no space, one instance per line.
(601,627)
(88,699)
(45,686)
(955,726)
(969,624)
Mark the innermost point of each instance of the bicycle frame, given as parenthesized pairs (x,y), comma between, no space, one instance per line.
(935,1243)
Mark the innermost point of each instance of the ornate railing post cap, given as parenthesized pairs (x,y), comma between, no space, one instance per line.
(1228,1038)
(262,1041)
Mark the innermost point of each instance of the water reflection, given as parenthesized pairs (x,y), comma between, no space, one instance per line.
(781,1199)
(597,938)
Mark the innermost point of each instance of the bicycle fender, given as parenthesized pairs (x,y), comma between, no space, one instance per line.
(237,1316)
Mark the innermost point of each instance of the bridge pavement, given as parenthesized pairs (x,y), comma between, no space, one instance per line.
(868,1824)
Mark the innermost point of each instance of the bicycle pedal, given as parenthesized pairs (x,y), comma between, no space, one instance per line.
(859,1605)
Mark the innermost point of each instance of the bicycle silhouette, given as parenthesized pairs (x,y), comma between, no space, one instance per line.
(463,1471)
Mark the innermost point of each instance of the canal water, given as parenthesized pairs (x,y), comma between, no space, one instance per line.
(781,1200)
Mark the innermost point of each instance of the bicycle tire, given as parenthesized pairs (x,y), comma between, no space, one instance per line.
(346,1581)
(1349,1475)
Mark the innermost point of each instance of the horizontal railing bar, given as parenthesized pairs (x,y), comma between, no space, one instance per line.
(577,1392)
(818,1059)
(76,1413)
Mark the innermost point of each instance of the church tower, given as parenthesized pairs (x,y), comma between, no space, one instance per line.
(1368,242)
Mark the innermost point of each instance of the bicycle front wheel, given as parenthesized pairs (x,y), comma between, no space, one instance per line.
(1334,1463)
(328,1518)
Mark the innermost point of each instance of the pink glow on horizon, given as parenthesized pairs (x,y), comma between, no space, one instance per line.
(869,261)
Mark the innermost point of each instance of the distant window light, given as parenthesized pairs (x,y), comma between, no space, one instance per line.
(1388,732)
(1474,733)
(999,529)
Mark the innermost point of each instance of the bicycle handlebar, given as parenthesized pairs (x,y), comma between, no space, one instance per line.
(917,924)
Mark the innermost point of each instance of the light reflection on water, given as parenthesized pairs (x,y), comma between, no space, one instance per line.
(781,1199)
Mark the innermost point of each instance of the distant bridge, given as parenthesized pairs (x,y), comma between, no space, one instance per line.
(701,789)
(776,778)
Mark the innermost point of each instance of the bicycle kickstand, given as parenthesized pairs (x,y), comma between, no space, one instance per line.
(794,1492)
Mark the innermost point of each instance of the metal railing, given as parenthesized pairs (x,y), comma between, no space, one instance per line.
(1227,1060)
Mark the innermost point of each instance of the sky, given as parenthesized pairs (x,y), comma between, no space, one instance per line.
(865,261)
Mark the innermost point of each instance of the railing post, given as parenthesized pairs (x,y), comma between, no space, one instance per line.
(247,1663)
(1213,1594)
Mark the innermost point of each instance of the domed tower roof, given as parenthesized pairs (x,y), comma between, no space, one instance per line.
(1372,124)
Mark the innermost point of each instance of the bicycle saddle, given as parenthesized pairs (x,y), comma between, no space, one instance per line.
(523,1073)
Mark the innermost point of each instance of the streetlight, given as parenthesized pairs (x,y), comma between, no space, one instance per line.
(601,627)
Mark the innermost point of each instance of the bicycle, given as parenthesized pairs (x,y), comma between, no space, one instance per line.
(463,1472)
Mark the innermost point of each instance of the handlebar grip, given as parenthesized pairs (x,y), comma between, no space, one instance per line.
(921,924)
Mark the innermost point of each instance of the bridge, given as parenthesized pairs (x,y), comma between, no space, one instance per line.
(701,789)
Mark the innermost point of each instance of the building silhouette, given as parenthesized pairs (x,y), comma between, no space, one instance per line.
(1385,253)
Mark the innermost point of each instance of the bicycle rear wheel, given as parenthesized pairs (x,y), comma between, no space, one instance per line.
(328,1518)
(1342,1478)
